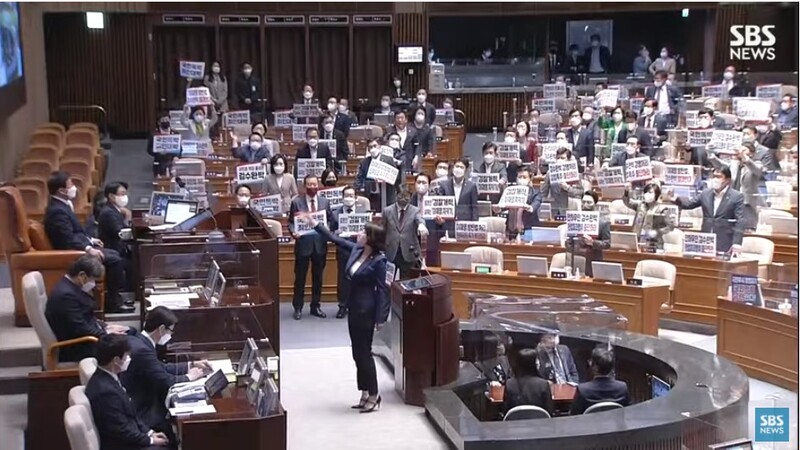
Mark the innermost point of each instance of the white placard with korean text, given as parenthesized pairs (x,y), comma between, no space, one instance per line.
(726,140)
(488,183)
(197,148)
(302,227)
(303,110)
(469,231)
(167,143)
(691,119)
(699,244)
(699,138)
(267,205)
(251,173)
(753,109)
(545,105)
(514,197)
(194,70)
(175,117)
(715,91)
(637,169)
(386,150)
(636,104)
(380,171)
(309,166)
(283,119)
(198,96)
(680,175)
(507,152)
(769,92)
(583,222)
(611,176)
(299,131)
(354,223)
(563,172)
(555,90)
(333,195)
(236,118)
(548,150)
(439,205)
(607,98)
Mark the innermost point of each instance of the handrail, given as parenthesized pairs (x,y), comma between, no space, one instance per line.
(104,114)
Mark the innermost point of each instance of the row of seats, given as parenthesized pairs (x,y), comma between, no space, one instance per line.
(78,419)
(527,412)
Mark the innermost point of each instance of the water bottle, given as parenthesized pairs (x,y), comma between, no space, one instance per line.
(519,238)
(577,273)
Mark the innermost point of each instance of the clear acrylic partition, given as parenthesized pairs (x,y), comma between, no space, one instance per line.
(238,261)
(216,329)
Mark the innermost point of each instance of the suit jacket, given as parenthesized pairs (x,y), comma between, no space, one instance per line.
(726,222)
(109,223)
(287,188)
(575,64)
(620,158)
(768,156)
(400,93)
(668,65)
(409,148)
(312,242)
(402,236)
(322,152)
(70,313)
(247,155)
(750,176)
(366,291)
(467,204)
(427,140)
(63,228)
(673,95)
(528,391)
(430,112)
(147,380)
(605,58)
(645,142)
(547,370)
(118,426)
(364,185)
(554,63)
(585,142)
(787,119)
(594,252)
(600,389)
(245,88)
(341,142)
(499,168)
(659,123)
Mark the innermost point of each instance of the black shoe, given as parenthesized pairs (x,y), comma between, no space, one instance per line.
(371,405)
(297,314)
(120,309)
(341,313)
(318,312)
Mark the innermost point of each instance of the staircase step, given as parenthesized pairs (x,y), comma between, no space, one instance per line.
(14,380)
(21,356)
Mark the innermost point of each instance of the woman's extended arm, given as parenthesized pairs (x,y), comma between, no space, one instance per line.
(340,242)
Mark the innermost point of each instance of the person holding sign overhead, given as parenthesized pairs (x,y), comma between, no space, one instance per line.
(199,127)
(309,247)
(644,226)
(403,223)
(588,246)
(747,176)
(217,85)
(312,149)
(280,182)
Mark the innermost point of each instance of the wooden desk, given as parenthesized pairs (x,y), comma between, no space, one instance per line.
(48,398)
(786,251)
(286,270)
(763,342)
(640,305)
(697,285)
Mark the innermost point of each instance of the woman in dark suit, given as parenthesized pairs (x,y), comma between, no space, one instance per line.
(526,387)
(367,301)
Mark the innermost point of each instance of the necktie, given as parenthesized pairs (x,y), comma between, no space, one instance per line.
(402,215)
(313,205)
(348,211)
(737,180)
(649,122)
(561,377)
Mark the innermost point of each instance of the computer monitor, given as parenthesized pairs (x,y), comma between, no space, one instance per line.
(456,261)
(159,200)
(658,387)
(544,235)
(259,376)
(382,119)
(739,444)
(249,353)
(216,383)
(213,271)
(179,210)
(219,287)
(532,265)
(193,221)
(603,271)
(623,240)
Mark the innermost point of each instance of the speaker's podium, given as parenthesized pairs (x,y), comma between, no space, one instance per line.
(420,342)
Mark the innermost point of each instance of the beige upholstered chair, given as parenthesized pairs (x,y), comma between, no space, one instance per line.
(564,260)
(81,431)
(562,232)
(35,298)
(486,255)
(673,241)
(86,369)
(654,270)
(766,213)
(362,203)
(494,224)
(526,412)
(574,204)
(761,249)
(77,396)
(275,227)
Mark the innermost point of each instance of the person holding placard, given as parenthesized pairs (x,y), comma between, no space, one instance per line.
(280,182)
(491,165)
(348,206)
(425,136)
(559,193)
(644,140)
(521,219)
(248,92)
(650,118)
(371,188)
(408,148)
(403,224)
(217,85)
(768,157)
(329,132)
(587,246)
(465,192)
(631,151)
(747,177)
(705,120)
(254,151)
(787,116)
(199,127)
(161,161)
(313,149)
(424,187)
(647,229)
(723,211)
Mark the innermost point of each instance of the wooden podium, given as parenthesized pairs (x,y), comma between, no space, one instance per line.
(423,336)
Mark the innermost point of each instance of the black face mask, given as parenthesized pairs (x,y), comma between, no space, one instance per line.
(164,126)
(330,183)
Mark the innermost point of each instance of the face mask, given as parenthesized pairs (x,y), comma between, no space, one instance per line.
(447,106)
(647,110)
(215,69)
(664,55)
(88,287)
(72,192)
(331,107)
(420,118)
(247,72)
(658,84)
(574,121)
(727,76)
(342,109)
(397,83)
(164,126)
(311,191)
(348,201)
(587,117)
(393,143)
(761,128)
(421,98)
(441,173)
(308,95)
(510,139)
(374,152)
(330,183)
(402,202)
(165,338)
(785,106)
(313,142)
(328,127)
(649,197)
(458,172)
(122,201)
(278,168)
(243,200)
(748,138)
(126,361)
(716,184)
(523,181)
(488,159)
(255,145)
(198,118)
(422,188)
(521,131)
(632,126)
(705,123)
(617,118)
(384,104)
(630,150)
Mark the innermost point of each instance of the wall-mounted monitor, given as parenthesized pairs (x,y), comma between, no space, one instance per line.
(409,54)
(12,81)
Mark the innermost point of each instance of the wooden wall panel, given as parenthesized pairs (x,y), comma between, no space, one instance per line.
(727,15)
(484,111)
(410,29)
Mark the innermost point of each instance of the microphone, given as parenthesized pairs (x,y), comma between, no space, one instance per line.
(420,260)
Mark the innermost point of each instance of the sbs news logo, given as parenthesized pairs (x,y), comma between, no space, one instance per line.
(752,43)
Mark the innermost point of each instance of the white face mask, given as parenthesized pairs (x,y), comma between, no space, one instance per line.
(785,106)
(420,118)
(394,143)
(255,145)
(374,152)
(247,72)
(727,76)
(574,121)
(664,55)
(384,104)
(658,84)
(72,192)
(510,139)
(313,142)
(198,118)
(397,83)
(617,118)
(308,95)
(488,159)
(328,127)
(342,109)
(215,69)
(421,98)
(278,168)
(523,181)
(649,197)
(587,117)
(441,173)
(447,106)
(348,201)
(630,150)
(165,338)
(647,110)
(122,201)
(458,172)
(126,361)
(705,123)
(632,126)
(761,128)
(716,184)
(88,287)
(331,107)
(422,188)
(243,200)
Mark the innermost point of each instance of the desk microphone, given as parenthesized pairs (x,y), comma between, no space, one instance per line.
(420,260)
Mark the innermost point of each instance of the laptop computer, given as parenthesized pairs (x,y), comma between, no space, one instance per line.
(211,279)
(543,235)
(603,271)
(178,211)
(623,240)
(783,225)
(158,202)
(456,261)
(532,265)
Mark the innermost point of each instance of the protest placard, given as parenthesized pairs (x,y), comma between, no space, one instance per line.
(726,140)
(745,289)
(507,152)
(715,91)
(514,197)
(380,171)
(333,195)
(555,90)
(616,147)
(198,96)
(545,105)
(548,150)
(167,143)
(583,222)
(769,91)
(283,119)
(611,176)
(354,223)
(691,119)
(438,205)
(391,273)
(197,148)
(471,231)
(305,111)
(699,244)
(234,118)
(699,138)
(310,166)
(251,173)
(299,131)
(488,183)
(637,169)
(753,109)
(636,104)
(563,172)
(175,123)
(194,70)
(680,175)
(331,144)
(386,150)
(607,98)
(267,205)
(302,227)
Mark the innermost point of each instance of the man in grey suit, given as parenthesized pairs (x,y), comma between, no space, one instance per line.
(746,177)
(465,192)
(403,222)
(309,246)
(555,361)
(723,211)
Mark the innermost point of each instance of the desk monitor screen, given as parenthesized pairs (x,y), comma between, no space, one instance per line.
(484,208)
(457,261)
(532,265)
(249,352)
(159,200)
(783,225)
(603,271)
(416,284)
(739,444)
(179,210)
(544,235)
(624,240)
(193,221)
(216,383)
(658,387)
(219,287)
(382,119)
(213,271)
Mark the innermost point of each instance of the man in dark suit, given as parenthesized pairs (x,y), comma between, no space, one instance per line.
(345,118)
(644,141)
(329,132)
(554,61)
(526,387)
(371,188)
(521,219)
(574,64)
(732,85)
(631,151)
(309,247)
(651,118)
(70,309)
(666,96)
(465,192)
(114,216)
(581,134)
(118,426)
(403,223)
(597,57)
(348,206)
(603,388)
(723,211)
(705,119)
(435,230)
(587,246)
(430,110)
(66,233)
(555,361)
(248,92)
(148,379)
(314,149)
(491,165)
(409,145)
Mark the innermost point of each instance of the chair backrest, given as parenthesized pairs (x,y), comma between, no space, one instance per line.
(574,204)
(38,236)
(86,369)
(13,222)
(34,296)
(654,268)
(673,241)
(618,207)
(86,125)
(494,224)
(37,183)
(275,227)
(362,203)
(564,260)
(562,233)
(43,152)
(482,254)
(81,136)
(81,431)
(77,168)
(81,152)
(77,396)
(602,406)
(40,168)
(55,126)
(32,197)
(759,248)
(766,213)
(526,412)
(50,137)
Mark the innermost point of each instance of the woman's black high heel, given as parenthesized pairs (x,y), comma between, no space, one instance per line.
(361,403)
(371,406)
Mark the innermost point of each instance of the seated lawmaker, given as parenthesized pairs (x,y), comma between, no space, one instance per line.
(66,233)
(603,388)
(114,216)
(556,363)
(147,379)
(526,387)
(118,426)
(253,151)
(70,309)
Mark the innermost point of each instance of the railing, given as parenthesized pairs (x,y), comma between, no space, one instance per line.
(103,115)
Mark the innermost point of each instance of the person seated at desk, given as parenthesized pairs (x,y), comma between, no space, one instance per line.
(312,149)
(253,151)
(371,188)
(644,223)
(66,233)
(787,116)
(555,363)
(114,216)
(280,182)
(118,426)
(631,151)
(70,309)
(521,219)
(161,161)
(603,387)
(560,193)
(243,195)
(587,246)
(148,379)
(329,132)
(199,127)
(526,387)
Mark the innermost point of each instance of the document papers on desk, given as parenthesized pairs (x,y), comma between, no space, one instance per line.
(226,366)
(171,301)
(201,407)
(163,227)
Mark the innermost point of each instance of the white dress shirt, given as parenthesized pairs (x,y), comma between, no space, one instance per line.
(663,100)
(718,198)
(403,134)
(457,189)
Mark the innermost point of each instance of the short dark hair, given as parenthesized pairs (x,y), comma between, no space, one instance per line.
(348,187)
(527,127)
(111,346)
(592,194)
(327,117)
(463,160)
(573,47)
(58,180)
(441,161)
(573,111)
(526,168)
(389,136)
(260,136)
(564,150)
(310,129)
(403,191)
(278,157)
(113,187)
(88,264)
(253,127)
(652,101)
(488,145)
(308,177)
(327,172)
(423,174)
(749,146)
(376,236)
(660,74)
(751,128)
(401,112)
(707,111)
(631,115)
(420,109)
(526,363)
(602,360)
(239,186)
(594,37)
(160,315)
(725,171)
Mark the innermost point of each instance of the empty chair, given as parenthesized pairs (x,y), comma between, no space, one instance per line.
(486,255)
(35,202)
(779,194)
(602,406)
(766,213)
(759,248)
(654,270)
(77,396)
(693,216)
(564,260)
(82,136)
(274,227)
(54,126)
(526,412)
(86,125)
(362,203)
(43,152)
(81,152)
(673,241)
(37,183)
(36,168)
(86,369)
(494,224)
(81,431)
(47,137)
